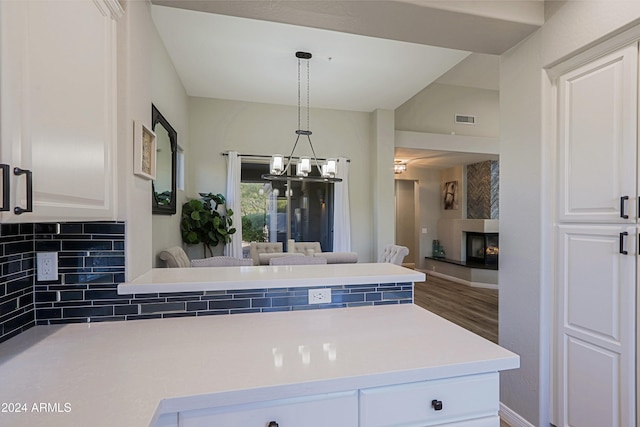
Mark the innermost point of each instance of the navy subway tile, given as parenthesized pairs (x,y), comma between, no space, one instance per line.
(47,246)
(88,278)
(229,304)
(89,245)
(70,312)
(162,307)
(104,228)
(125,309)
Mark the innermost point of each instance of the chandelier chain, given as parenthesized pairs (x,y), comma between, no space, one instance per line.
(298,93)
(308,80)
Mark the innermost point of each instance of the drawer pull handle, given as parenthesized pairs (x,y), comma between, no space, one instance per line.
(273,424)
(436,405)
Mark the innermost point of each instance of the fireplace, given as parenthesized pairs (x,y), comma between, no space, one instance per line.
(482,248)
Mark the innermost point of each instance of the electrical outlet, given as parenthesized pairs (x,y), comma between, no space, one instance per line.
(47,266)
(320,296)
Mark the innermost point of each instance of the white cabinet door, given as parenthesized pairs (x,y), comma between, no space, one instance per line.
(58,116)
(596,325)
(597,117)
(335,409)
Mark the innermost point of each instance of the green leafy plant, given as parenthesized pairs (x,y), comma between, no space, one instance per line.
(202,223)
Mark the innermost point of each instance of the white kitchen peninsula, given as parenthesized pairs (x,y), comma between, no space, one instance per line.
(362,366)
(163,280)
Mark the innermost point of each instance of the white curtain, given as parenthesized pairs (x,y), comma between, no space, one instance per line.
(341,210)
(234,247)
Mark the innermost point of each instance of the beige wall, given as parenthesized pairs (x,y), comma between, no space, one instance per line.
(433,110)
(169,96)
(134,98)
(217,126)
(428,209)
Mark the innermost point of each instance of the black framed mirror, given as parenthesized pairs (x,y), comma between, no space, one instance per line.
(164,186)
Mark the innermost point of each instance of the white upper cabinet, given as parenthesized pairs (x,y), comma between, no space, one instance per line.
(58,109)
(597,140)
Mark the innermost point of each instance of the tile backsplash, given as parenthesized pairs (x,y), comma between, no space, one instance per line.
(16,284)
(90,264)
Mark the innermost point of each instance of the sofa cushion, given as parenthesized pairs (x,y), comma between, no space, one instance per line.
(264,259)
(338,257)
(221,261)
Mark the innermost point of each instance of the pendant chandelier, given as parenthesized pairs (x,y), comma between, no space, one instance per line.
(279,171)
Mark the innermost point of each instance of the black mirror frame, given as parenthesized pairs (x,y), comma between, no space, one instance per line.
(156,208)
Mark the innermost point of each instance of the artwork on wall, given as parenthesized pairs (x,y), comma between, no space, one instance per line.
(450,195)
(144,151)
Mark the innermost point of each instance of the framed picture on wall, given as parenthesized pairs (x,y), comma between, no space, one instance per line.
(144,151)
(450,195)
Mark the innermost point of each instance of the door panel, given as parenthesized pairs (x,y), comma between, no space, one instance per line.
(597,140)
(596,324)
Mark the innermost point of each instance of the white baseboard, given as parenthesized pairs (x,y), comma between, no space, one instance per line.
(513,418)
(462,281)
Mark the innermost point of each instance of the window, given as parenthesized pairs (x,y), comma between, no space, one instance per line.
(275,211)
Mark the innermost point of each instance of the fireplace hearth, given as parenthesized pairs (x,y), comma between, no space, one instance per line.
(482,248)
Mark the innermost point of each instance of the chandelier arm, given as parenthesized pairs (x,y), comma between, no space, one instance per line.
(315,158)
(286,169)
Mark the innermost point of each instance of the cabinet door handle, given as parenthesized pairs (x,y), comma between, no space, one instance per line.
(6,188)
(622,251)
(436,405)
(18,210)
(623,199)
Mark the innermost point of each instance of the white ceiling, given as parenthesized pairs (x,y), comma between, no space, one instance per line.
(226,57)
(219,51)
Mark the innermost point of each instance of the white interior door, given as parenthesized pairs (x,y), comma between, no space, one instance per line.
(597,116)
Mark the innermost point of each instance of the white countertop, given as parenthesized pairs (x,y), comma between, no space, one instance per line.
(122,373)
(266,276)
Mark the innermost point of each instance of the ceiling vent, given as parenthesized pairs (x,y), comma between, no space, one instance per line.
(465,120)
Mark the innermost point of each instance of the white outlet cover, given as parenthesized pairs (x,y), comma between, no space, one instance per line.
(47,266)
(320,296)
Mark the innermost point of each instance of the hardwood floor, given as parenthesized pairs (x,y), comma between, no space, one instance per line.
(475,309)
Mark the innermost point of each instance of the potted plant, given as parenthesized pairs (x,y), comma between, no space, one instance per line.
(202,223)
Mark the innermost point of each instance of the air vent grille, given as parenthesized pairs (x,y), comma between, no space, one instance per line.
(465,120)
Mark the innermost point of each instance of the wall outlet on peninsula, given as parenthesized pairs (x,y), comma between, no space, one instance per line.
(320,296)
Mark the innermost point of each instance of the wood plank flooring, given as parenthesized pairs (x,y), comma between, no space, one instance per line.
(475,309)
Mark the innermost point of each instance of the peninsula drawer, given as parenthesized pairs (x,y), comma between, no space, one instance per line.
(334,409)
(430,402)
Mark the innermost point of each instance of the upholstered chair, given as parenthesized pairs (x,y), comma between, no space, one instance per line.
(257,248)
(307,248)
(297,260)
(221,261)
(394,254)
(175,257)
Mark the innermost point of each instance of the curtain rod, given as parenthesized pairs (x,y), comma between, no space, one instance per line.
(264,156)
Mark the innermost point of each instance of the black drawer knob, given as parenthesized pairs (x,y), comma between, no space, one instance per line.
(436,405)
(273,424)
